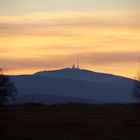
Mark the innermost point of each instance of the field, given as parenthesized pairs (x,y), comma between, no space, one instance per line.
(70,122)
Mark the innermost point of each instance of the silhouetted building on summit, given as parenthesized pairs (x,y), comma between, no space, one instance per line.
(73,66)
(76,67)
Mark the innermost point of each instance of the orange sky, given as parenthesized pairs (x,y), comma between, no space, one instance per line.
(105,41)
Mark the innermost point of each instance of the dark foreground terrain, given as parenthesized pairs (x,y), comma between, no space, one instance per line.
(70,122)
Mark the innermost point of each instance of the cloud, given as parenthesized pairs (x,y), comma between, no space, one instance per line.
(59,61)
(36,62)
(112,57)
(60,24)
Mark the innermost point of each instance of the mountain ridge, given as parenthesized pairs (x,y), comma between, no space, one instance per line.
(59,84)
(80,74)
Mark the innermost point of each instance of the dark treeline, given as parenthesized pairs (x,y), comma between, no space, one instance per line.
(7,89)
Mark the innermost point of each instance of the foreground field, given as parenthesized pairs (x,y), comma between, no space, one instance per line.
(70,122)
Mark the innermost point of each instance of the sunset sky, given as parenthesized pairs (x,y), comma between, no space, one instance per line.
(51,34)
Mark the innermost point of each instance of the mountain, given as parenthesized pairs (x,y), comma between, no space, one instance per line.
(73,85)
(79,74)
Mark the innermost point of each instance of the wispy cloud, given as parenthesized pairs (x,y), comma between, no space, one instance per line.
(112,57)
(51,24)
(54,61)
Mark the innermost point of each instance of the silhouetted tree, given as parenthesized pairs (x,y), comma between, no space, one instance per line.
(7,89)
(137,85)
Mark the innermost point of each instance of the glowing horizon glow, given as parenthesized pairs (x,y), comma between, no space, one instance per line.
(106,40)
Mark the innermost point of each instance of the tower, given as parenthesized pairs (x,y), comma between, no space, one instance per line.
(1,72)
(78,63)
(73,66)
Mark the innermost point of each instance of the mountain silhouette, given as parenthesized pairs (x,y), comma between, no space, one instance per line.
(79,74)
(73,85)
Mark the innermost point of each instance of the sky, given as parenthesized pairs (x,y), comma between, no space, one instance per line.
(51,34)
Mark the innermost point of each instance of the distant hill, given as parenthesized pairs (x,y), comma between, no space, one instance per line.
(80,74)
(73,85)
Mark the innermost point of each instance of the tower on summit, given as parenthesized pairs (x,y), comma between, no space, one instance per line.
(77,65)
(73,66)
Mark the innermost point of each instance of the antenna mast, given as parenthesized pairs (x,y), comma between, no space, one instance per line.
(78,63)
(1,72)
